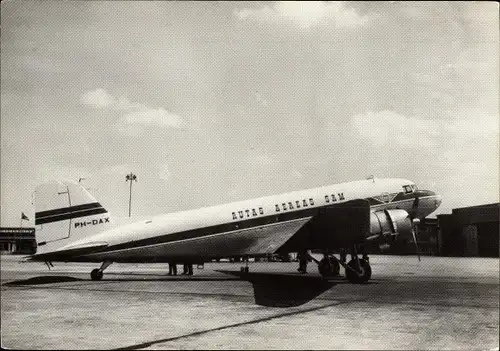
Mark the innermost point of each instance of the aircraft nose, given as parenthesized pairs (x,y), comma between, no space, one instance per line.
(422,193)
(437,200)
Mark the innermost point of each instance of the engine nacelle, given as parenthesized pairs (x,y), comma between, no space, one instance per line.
(388,225)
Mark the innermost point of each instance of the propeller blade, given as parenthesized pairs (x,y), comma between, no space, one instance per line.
(415,222)
(414,232)
(414,209)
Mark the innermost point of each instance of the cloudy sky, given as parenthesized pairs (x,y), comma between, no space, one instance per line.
(212,102)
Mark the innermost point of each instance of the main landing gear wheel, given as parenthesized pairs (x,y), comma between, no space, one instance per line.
(96,274)
(329,267)
(361,275)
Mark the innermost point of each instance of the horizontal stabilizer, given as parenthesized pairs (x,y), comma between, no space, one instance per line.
(70,251)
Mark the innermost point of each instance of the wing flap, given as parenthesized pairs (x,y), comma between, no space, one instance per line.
(256,241)
(270,238)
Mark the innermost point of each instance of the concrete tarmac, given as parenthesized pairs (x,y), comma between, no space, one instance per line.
(439,303)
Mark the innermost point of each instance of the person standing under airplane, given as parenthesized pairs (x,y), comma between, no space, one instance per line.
(303,259)
(188,269)
(172,268)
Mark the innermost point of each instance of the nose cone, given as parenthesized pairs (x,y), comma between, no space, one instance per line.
(428,202)
(437,200)
(432,195)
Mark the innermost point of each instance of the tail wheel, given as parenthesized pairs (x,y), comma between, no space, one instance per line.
(96,274)
(361,275)
(328,267)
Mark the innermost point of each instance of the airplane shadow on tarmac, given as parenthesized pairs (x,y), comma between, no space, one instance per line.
(275,290)
(270,289)
(137,277)
(45,279)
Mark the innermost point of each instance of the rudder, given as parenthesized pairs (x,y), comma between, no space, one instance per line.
(64,213)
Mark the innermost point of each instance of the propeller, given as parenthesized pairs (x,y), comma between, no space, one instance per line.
(415,223)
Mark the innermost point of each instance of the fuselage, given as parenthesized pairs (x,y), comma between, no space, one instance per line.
(229,229)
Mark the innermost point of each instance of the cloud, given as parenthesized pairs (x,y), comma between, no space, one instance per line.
(98,98)
(260,99)
(388,128)
(297,174)
(124,104)
(304,14)
(153,117)
(262,160)
(134,113)
(473,123)
(164,172)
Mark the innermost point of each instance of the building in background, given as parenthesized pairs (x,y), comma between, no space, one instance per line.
(428,237)
(17,240)
(470,231)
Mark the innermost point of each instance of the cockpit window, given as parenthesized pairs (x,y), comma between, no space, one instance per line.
(408,189)
(414,187)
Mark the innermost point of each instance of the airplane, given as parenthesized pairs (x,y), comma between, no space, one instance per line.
(72,226)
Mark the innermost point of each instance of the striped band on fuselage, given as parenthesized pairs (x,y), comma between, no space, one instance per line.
(238,225)
(61,214)
(213,230)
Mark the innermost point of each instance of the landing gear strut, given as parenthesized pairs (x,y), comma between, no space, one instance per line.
(329,266)
(97,274)
(358,270)
(245,269)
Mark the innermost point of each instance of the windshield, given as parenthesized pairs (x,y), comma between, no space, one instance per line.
(408,189)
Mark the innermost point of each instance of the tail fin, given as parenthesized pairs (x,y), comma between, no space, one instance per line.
(64,213)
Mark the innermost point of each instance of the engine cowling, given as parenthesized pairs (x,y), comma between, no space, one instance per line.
(389,225)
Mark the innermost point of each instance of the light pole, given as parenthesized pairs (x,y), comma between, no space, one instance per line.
(130,177)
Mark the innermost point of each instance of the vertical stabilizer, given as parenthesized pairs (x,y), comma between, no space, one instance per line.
(64,213)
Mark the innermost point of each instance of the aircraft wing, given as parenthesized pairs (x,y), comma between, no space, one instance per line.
(252,241)
(339,225)
(268,239)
